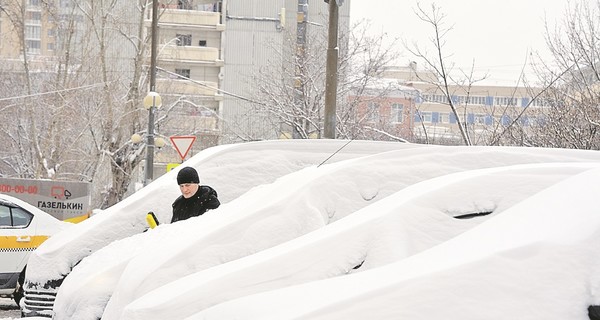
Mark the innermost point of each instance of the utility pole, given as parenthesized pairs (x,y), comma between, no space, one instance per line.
(331,77)
(301,29)
(149,174)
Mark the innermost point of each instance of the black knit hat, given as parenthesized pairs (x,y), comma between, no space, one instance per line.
(187,175)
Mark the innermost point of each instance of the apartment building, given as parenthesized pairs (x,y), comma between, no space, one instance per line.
(190,70)
(210,52)
(42,28)
(41,33)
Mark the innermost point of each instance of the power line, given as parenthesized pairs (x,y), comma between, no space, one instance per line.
(209,87)
(52,92)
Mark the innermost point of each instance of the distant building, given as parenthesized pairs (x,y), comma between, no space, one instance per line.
(481,107)
(387,109)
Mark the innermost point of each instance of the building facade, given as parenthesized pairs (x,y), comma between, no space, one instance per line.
(387,110)
(210,53)
(483,109)
(190,70)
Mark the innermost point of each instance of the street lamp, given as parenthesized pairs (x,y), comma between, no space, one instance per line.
(159,142)
(152,102)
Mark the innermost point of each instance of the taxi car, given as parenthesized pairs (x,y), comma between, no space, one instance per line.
(23,228)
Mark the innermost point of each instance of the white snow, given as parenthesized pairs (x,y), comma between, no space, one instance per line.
(370,237)
(526,263)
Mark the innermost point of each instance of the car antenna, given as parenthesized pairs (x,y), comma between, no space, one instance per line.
(333,154)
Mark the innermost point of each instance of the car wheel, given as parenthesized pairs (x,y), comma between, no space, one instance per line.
(19,292)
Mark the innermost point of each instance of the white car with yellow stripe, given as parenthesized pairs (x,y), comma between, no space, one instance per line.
(23,228)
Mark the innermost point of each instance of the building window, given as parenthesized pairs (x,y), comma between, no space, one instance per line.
(183,73)
(480,119)
(184,39)
(438,98)
(34,2)
(202,43)
(34,15)
(397,110)
(33,46)
(184,4)
(50,46)
(444,118)
(478,100)
(425,116)
(373,112)
(33,32)
(541,102)
(505,101)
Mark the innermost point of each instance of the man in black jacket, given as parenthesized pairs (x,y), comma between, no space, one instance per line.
(195,199)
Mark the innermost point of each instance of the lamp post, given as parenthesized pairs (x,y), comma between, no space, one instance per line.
(152,102)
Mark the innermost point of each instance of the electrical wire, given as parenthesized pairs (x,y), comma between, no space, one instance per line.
(52,92)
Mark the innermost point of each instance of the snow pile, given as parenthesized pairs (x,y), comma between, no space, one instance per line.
(537,260)
(399,226)
(298,204)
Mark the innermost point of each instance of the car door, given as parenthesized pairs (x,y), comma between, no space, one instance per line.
(17,240)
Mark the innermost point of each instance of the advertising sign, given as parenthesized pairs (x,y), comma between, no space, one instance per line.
(65,200)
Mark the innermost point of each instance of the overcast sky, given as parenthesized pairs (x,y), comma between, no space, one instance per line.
(496,35)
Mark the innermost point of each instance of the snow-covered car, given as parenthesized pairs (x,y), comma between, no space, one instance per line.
(23,228)
(400,225)
(122,279)
(231,169)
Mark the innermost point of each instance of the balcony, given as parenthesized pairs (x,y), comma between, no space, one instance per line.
(190,54)
(191,18)
(186,87)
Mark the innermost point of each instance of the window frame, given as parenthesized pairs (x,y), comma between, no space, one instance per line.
(183,73)
(397,112)
(184,39)
(12,210)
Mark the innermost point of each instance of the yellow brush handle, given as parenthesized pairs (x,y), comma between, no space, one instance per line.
(151,220)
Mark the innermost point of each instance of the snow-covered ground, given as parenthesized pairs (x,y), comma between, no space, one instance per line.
(371,234)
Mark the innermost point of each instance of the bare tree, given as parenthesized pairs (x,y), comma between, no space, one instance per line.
(295,98)
(510,124)
(121,114)
(440,63)
(569,116)
(73,119)
(361,69)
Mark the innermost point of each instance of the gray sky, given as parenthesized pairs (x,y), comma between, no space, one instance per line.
(497,36)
